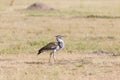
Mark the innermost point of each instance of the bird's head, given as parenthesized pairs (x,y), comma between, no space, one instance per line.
(59,36)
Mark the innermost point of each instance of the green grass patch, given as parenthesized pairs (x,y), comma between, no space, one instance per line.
(55,13)
(83,14)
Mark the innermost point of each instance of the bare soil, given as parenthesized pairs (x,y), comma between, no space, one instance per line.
(39,6)
(68,67)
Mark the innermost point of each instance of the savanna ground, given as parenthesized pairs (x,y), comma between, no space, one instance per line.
(89,26)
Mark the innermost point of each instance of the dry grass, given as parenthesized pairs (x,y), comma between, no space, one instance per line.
(67,67)
(89,25)
(25,34)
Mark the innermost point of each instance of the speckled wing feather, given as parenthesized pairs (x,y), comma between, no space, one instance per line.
(49,46)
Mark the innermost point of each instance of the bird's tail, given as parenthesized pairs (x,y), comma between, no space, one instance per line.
(40,51)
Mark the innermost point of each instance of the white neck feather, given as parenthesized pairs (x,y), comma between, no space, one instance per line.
(61,42)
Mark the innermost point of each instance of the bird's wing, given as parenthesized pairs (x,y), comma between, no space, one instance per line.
(50,46)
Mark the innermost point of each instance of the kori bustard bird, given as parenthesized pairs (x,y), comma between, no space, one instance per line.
(53,47)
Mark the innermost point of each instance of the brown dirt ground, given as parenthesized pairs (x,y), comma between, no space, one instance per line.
(68,67)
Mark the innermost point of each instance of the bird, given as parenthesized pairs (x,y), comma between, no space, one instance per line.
(53,47)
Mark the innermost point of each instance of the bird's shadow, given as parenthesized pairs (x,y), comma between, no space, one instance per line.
(34,62)
(59,62)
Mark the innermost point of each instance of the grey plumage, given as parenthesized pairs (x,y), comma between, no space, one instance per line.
(49,46)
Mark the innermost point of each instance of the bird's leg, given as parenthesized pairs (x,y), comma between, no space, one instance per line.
(50,57)
(54,57)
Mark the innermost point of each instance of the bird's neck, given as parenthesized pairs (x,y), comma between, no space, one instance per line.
(60,42)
